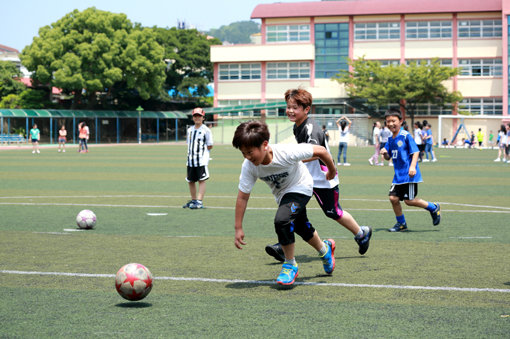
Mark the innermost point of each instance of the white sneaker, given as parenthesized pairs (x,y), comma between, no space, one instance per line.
(426,160)
(380,164)
(347,164)
(371,161)
(339,164)
(63,151)
(497,160)
(58,151)
(390,164)
(38,151)
(33,152)
(434,160)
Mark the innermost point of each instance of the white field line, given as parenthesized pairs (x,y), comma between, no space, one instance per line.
(227,207)
(265,282)
(229,197)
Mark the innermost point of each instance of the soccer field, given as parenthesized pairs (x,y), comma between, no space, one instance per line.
(450,281)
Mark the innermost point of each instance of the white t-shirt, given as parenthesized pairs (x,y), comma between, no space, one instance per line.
(375,135)
(286,173)
(417,136)
(344,135)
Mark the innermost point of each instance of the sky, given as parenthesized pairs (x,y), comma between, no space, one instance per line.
(21,19)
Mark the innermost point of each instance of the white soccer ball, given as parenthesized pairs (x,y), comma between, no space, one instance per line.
(86,219)
(133,281)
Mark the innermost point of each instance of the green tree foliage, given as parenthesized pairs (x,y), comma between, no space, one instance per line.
(96,55)
(187,54)
(237,32)
(407,86)
(9,79)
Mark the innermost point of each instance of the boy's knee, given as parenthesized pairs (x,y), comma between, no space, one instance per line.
(285,232)
(410,202)
(394,200)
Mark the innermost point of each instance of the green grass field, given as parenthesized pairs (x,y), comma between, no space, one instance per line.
(450,281)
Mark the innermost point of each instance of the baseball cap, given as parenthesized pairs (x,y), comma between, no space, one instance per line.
(198,111)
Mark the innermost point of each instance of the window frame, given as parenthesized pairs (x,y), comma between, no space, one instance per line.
(233,68)
(285,70)
(425,29)
(288,33)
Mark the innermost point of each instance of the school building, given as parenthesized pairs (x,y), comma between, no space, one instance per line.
(304,44)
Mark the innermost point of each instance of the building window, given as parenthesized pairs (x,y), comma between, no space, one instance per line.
(430,109)
(288,33)
(239,72)
(331,49)
(377,31)
(288,70)
(480,29)
(386,63)
(442,62)
(239,102)
(482,106)
(481,67)
(428,30)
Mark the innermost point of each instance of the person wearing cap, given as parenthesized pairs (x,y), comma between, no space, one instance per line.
(200,141)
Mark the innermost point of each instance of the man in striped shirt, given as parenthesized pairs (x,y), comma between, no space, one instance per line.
(200,141)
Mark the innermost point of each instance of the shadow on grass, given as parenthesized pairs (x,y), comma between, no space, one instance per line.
(507,283)
(134,304)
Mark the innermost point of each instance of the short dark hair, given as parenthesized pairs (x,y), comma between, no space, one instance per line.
(250,134)
(302,97)
(393,112)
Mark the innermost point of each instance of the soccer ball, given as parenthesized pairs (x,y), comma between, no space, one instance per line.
(86,219)
(133,281)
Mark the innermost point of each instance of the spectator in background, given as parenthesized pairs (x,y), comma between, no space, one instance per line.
(491,139)
(418,140)
(376,131)
(385,134)
(472,139)
(83,137)
(62,134)
(429,143)
(35,135)
(479,138)
(344,124)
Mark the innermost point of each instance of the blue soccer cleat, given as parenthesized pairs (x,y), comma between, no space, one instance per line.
(436,215)
(328,259)
(364,242)
(398,227)
(288,274)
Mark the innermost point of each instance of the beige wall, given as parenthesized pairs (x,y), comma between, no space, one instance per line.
(257,53)
(443,16)
(479,48)
(276,89)
(327,88)
(376,18)
(331,19)
(428,49)
(473,87)
(299,20)
(239,90)
(377,50)
(479,15)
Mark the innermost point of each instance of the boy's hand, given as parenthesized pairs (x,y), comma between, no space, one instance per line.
(383,151)
(239,238)
(412,171)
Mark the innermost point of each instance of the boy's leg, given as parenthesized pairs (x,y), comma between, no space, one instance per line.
(201,190)
(394,194)
(192,190)
(433,208)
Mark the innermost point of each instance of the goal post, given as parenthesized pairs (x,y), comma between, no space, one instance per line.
(456,127)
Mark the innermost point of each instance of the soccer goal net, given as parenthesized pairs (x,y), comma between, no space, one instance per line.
(454,129)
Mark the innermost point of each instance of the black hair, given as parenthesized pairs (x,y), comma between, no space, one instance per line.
(343,123)
(250,134)
(393,112)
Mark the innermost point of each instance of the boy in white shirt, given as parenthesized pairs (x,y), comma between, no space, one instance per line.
(281,167)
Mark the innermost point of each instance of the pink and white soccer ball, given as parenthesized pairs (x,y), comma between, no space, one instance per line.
(86,219)
(133,281)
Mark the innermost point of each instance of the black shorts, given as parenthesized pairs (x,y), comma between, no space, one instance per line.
(328,201)
(291,218)
(199,173)
(407,191)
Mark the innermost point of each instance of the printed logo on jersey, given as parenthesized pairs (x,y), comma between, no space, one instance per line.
(400,143)
(293,208)
(276,179)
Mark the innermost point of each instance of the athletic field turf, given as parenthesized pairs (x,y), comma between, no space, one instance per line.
(450,281)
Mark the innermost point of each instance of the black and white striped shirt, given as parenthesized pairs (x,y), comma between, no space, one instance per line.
(198,139)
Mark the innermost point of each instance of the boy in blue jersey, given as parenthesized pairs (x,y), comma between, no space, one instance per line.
(402,149)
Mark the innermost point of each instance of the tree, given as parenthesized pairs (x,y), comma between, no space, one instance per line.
(407,86)
(9,79)
(236,32)
(95,54)
(187,53)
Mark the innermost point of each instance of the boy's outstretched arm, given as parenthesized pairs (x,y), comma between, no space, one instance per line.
(384,153)
(241,203)
(323,154)
(412,166)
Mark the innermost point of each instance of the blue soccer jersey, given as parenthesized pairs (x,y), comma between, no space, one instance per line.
(401,149)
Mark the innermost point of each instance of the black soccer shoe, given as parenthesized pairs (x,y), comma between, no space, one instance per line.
(276,252)
(398,227)
(188,204)
(364,242)
(436,215)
